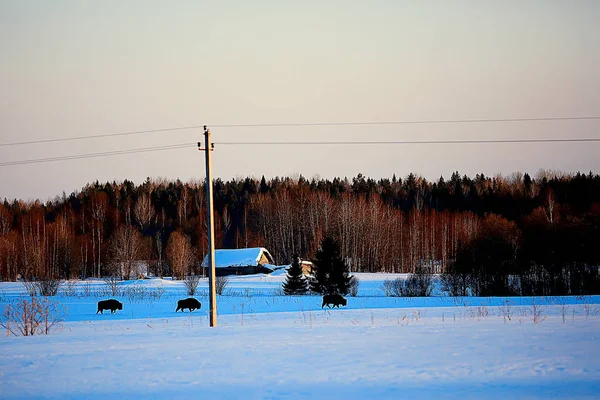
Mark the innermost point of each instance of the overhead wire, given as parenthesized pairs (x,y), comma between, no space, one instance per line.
(66,139)
(483,141)
(300,124)
(328,143)
(99,154)
(297,143)
(413,122)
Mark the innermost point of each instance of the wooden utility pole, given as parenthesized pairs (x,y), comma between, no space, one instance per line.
(212,293)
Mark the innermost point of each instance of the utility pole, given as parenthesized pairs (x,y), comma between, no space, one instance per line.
(211,228)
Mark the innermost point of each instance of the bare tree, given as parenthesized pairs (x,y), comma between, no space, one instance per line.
(550,207)
(183,206)
(159,253)
(144,211)
(6,219)
(180,254)
(34,246)
(126,247)
(62,249)
(537,313)
(226,221)
(9,255)
(99,205)
(515,182)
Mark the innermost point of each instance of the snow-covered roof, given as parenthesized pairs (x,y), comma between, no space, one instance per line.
(238,257)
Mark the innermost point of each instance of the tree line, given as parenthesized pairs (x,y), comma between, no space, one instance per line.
(548,225)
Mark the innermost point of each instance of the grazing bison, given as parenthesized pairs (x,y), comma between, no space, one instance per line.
(189,303)
(111,304)
(334,299)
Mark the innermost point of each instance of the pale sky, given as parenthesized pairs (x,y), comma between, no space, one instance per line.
(80,68)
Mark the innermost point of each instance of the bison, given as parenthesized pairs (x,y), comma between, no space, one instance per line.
(111,304)
(334,299)
(189,303)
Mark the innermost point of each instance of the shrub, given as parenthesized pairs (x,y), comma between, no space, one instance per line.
(354,284)
(70,289)
(31,288)
(416,285)
(393,288)
(220,284)
(455,283)
(157,293)
(135,293)
(191,284)
(537,314)
(112,285)
(29,317)
(48,286)
(86,290)
(42,287)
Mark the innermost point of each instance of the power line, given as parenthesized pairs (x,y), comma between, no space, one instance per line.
(93,155)
(415,122)
(314,124)
(350,143)
(66,139)
(416,142)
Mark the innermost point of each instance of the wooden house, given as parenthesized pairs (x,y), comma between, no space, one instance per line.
(254,260)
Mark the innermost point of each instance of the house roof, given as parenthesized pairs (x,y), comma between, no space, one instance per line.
(239,257)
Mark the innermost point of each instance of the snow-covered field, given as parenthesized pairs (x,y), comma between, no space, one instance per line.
(269,346)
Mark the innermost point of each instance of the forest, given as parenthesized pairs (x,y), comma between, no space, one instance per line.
(488,235)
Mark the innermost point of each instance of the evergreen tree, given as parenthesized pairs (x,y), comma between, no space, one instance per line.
(330,274)
(295,283)
(263,188)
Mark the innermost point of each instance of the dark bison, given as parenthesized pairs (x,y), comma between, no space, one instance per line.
(333,299)
(189,303)
(111,304)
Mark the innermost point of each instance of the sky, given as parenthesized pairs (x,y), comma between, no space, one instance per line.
(86,68)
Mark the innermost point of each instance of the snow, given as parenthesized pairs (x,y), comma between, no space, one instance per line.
(279,347)
(237,257)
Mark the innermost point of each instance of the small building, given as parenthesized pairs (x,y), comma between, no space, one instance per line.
(306,267)
(255,260)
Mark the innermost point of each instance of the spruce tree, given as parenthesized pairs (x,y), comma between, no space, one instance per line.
(295,283)
(330,274)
